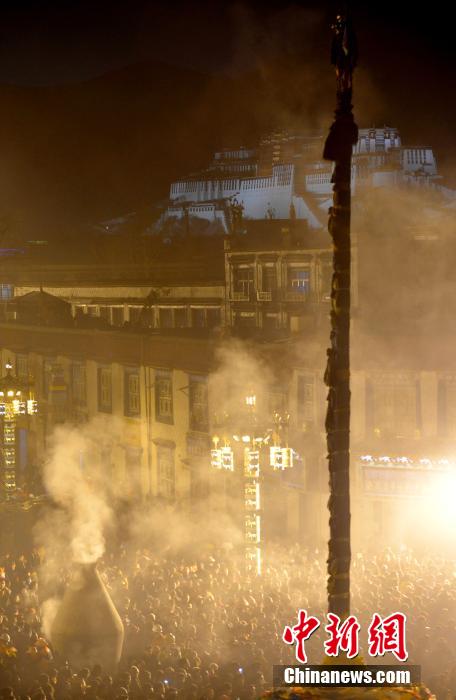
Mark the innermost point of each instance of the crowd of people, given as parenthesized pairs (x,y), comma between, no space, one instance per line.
(199,630)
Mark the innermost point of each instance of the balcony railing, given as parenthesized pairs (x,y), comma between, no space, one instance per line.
(240,296)
(268,296)
(296,296)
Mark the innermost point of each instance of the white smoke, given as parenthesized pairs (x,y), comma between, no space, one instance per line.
(76,479)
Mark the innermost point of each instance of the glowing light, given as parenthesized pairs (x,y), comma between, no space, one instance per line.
(250,400)
(11,406)
(245,438)
(32,406)
(407,462)
(251,462)
(9,449)
(442,493)
(280,457)
(19,407)
(252,528)
(223,458)
(252,495)
(253,558)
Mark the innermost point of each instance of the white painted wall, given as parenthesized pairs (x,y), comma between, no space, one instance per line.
(257,194)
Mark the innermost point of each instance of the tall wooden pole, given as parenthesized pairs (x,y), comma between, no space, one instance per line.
(338,148)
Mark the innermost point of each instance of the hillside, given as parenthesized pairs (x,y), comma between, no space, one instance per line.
(81,153)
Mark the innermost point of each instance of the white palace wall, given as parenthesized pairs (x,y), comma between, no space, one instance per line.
(259,195)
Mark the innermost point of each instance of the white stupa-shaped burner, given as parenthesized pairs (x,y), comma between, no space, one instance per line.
(87,628)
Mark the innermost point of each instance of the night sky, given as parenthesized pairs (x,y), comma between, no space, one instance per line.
(90,90)
(53,42)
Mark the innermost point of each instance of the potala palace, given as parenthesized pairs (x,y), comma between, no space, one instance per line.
(285,178)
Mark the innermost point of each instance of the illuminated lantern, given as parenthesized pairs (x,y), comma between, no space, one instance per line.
(281,457)
(252,495)
(222,458)
(253,558)
(252,528)
(32,406)
(251,462)
(251,440)
(12,404)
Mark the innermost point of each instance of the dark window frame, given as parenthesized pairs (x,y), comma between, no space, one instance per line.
(104,407)
(132,411)
(164,397)
(198,406)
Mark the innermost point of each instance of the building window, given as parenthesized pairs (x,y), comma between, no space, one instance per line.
(245,320)
(306,399)
(166,472)
(213,318)
(6,292)
(78,383)
(326,281)
(105,389)
(148,317)
(271,322)
(132,405)
(299,280)
(164,397)
(243,280)
(22,369)
(165,317)
(117,315)
(48,368)
(447,406)
(277,402)
(135,314)
(198,404)
(180,317)
(198,449)
(395,405)
(269,275)
(56,388)
(198,318)
(133,469)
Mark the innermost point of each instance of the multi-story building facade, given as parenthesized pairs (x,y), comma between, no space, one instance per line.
(159,392)
(147,341)
(279,283)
